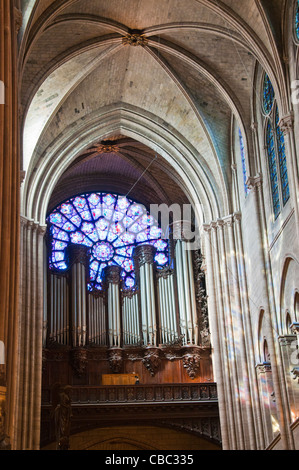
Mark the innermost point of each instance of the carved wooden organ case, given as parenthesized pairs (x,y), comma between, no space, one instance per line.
(158,329)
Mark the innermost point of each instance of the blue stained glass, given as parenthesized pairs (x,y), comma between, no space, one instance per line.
(273,169)
(282,160)
(268,95)
(111,227)
(242,148)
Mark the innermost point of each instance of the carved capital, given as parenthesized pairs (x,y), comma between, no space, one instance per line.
(295,328)
(287,124)
(144,254)
(255,182)
(112,274)
(263,368)
(135,39)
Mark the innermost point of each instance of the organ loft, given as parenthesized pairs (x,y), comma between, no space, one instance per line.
(149,222)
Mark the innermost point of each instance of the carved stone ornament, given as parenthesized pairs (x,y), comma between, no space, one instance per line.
(79,361)
(164,272)
(191,362)
(144,254)
(112,274)
(107,148)
(116,360)
(152,361)
(135,39)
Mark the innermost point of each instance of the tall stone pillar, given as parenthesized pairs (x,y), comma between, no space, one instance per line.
(144,265)
(31,334)
(79,301)
(112,281)
(268,403)
(10,21)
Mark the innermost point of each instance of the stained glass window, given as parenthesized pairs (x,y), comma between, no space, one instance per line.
(242,147)
(282,160)
(110,226)
(273,169)
(297,20)
(268,94)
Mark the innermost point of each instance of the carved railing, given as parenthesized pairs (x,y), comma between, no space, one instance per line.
(166,393)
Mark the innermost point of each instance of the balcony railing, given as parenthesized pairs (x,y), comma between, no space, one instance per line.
(165,393)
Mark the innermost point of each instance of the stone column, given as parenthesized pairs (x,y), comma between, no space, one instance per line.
(31,334)
(10,21)
(255,184)
(144,265)
(268,402)
(219,372)
(287,126)
(78,289)
(112,282)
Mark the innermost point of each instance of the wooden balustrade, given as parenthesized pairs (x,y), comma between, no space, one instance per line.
(140,393)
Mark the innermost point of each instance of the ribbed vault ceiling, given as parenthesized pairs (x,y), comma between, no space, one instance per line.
(193,73)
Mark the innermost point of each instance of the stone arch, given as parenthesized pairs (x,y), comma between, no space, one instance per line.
(199,185)
(288,291)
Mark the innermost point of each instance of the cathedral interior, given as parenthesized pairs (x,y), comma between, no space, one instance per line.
(149,225)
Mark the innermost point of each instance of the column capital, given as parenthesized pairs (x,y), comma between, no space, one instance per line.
(286,340)
(286,123)
(295,328)
(255,182)
(78,254)
(263,368)
(144,254)
(112,274)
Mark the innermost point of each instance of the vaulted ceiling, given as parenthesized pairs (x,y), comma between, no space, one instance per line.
(87,80)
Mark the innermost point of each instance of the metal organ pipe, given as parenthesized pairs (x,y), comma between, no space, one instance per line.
(144,260)
(112,281)
(186,292)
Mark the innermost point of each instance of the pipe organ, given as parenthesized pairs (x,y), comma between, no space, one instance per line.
(161,308)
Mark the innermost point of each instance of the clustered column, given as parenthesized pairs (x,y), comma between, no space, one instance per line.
(231,334)
(10,20)
(31,328)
